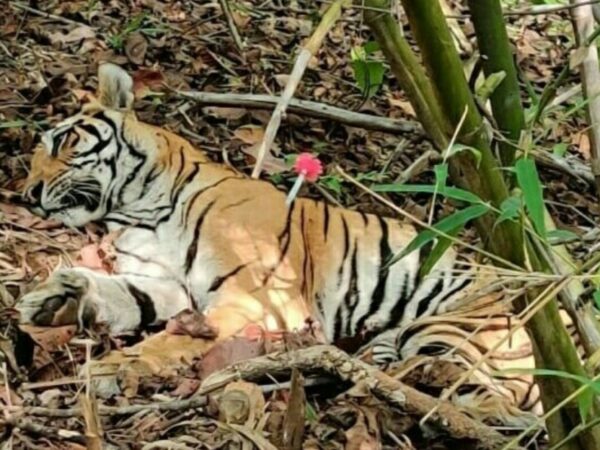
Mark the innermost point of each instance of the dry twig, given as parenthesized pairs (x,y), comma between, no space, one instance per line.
(231,25)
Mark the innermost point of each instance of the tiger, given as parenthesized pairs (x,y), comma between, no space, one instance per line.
(193,233)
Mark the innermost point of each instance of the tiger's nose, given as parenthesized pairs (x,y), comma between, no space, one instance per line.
(34,193)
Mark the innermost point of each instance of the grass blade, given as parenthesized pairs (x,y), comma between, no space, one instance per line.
(529,181)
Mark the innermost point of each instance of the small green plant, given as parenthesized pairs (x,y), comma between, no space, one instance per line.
(368,72)
(117,40)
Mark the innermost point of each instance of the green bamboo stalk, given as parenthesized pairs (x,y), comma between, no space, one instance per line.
(405,66)
(552,345)
(497,56)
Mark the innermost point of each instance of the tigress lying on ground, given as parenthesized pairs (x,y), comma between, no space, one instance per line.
(193,232)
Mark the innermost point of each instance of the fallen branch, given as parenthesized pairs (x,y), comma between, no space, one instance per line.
(571,167)
(175,405)
(334,361)
(304,108)
(43,430)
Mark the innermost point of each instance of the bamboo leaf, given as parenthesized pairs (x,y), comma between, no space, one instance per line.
(451,224)
(448,192)
(529,181)
(509,209)
(558,236)
(584,403)
(436,253)
(597,298)
(441,176)
(457,148)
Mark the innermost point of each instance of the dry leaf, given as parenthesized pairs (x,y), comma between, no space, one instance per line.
(249,134)
(82,95)
(359,438)
(135,48)
(146,81)
(50,338)
(191,323)
(75,35)
(404,105)
(271,164)
(186,387)
(241,20)
(229,352)
(584,146)
(293,424)
(9,397)
(241,403)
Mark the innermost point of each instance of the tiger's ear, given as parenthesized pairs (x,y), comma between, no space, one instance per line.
(115,87)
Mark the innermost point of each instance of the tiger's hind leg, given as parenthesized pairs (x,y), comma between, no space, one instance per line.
(434,357)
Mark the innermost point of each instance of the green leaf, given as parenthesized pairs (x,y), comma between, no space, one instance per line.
(368,76)
(457,148)
(584,403)
(529,181)
(596,296)
(436,253)
(332,183)
(448,192)
(13,124)
(555,236)
(509,209)
(290,159)
(560,149)
(310,413)
(490,84)
(371,47)
(447,225)
(441,175)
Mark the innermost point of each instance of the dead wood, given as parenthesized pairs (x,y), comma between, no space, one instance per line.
(446,419)
(304,108)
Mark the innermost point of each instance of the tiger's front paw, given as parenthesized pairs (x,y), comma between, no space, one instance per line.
(55,302)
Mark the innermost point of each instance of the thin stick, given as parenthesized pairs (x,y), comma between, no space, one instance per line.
(304,108)
(46,15)
(231,25)
(306,53)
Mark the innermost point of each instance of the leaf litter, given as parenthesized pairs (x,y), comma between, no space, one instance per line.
(47,71)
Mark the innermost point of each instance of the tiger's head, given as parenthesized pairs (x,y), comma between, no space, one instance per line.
(85,166)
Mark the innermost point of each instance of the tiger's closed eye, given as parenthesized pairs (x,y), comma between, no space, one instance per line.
(72,140)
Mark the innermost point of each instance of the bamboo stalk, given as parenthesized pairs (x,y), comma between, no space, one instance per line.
(405,66)
(583,23)
(508,112)
(332,14)
(497,56)
(552,345)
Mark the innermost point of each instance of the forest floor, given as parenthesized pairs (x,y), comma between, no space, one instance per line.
(49,54)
